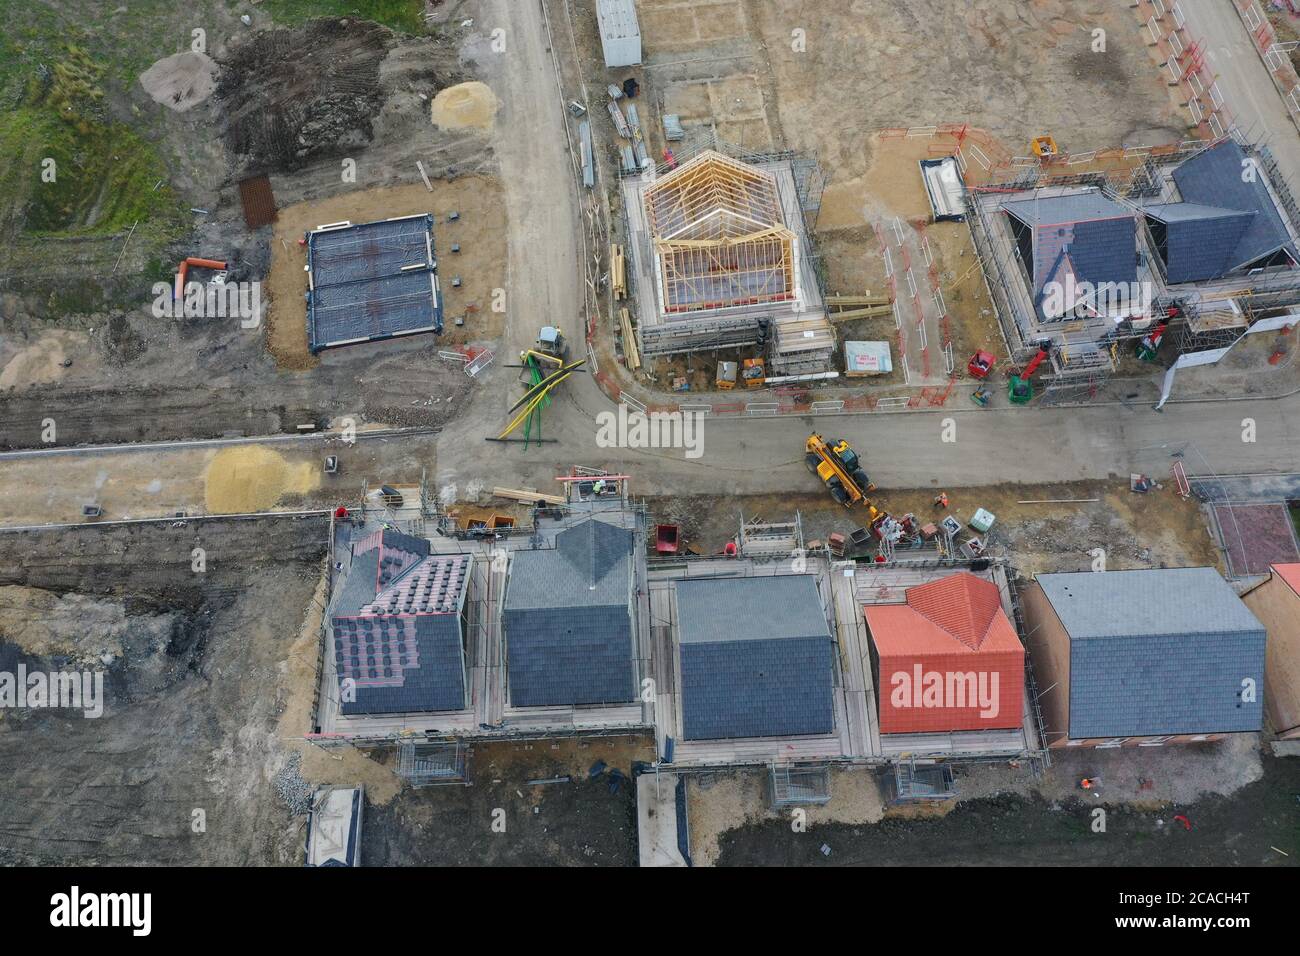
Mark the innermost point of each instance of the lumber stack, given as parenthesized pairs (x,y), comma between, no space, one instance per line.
(528,497)
(617,271)
(629,340)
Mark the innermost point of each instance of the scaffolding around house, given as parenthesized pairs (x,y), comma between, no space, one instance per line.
(431,763)
(781,539)
(721,255)
(913,782)
(794,786)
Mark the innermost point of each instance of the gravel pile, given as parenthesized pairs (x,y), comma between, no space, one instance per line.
(294,792)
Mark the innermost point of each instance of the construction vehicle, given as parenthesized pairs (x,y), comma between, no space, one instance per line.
(551,347)
(753,373)
(1020,389)
(839,468)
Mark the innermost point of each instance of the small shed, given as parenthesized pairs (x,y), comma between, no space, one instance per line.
(620,35)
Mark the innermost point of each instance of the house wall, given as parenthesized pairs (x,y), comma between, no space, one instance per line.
(1049,653)
(1278,609)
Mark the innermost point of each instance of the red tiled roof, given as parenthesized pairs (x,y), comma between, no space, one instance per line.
(954,615)
(951,628)
(1290,573)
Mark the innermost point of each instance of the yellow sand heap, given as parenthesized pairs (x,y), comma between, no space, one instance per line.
(254,478)
(471,104)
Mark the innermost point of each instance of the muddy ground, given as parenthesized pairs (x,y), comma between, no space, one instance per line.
(192,664)
(230,479)
(1053,530)
(825,78)
(587,821)
(1013,830)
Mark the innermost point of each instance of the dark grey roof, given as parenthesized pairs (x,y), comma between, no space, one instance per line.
(749,609)
(1217,178)
(1086,232)
(762,688)
(372,281)
(1158,652)
(757,658)
(589,565)
(570,656)
(1200,241)
(567,619)
(407,664)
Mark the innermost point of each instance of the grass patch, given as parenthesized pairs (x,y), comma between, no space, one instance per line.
(401,15)
(74,170)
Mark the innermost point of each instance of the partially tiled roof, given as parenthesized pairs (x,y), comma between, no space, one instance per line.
(396,626)
(1086,235)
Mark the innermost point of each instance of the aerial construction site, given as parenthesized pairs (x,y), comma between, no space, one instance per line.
(639,424)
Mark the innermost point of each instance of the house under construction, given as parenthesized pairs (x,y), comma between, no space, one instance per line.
(720,257)
(1189,241)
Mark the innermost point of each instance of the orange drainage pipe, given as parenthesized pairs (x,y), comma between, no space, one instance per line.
(185,268)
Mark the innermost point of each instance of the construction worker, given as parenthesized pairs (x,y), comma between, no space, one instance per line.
(941,501)
(599,486)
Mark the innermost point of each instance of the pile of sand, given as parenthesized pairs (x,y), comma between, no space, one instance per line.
(181,80)
(42,362)
(471,104)
(253,478)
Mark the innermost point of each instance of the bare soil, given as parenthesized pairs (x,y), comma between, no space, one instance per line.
(1157,529)
(480,264)
(194,684)
(1017,830)
(583,822)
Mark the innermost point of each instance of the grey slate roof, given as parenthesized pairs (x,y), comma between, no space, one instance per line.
(568,622)
(1065,210)
(589,565)
(1095,235)
(1244,226)
(1157,652)
(756,658)
(750,609)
